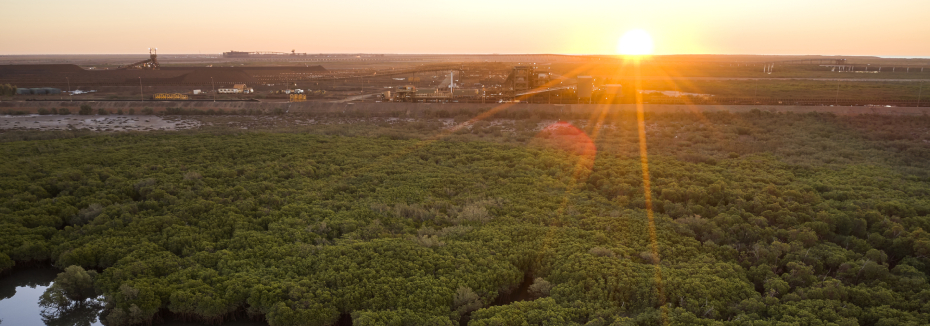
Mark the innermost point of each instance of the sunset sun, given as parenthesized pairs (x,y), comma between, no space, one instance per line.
(635,42)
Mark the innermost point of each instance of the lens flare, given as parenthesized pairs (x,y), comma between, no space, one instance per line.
(566,137)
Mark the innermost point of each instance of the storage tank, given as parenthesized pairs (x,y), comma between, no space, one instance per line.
(585,86)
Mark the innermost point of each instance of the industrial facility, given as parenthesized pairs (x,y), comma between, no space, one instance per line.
(274,76)
(245,54)
(525,78)
(410,93)
(150,64)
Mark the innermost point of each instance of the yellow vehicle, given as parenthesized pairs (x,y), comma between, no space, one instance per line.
(298,97)
(169,96)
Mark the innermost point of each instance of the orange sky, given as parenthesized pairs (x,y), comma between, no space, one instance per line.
(852,27)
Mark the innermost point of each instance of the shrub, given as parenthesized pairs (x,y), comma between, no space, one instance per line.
(87,214)
(7,90)
(71,290)
(6,262)
(429,241)
(102,111)
(540,288)
(466,300)
(77,283)
(475,212)
(602,252)
(192,175)
(649,257)
(85,110)
(64,111)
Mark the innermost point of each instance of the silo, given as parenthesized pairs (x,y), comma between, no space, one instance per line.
(585,86)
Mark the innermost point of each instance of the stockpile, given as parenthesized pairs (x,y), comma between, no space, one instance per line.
(62,74)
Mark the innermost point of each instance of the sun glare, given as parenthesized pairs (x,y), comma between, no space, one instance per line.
(635,42)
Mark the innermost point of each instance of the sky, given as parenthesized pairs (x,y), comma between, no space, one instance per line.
(827,27)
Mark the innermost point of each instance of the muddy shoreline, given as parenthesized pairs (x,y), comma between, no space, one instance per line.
(31,107)
(96,122)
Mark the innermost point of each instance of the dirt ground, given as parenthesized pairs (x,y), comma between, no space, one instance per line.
(310,114)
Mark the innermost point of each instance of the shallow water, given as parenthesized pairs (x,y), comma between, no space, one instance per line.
(19,302)
(19,296)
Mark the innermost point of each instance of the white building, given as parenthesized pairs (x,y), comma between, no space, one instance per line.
(236,89)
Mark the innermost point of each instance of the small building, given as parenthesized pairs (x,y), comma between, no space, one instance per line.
(236,89)
(243,88)
(585,87)
(466,93)
(613,89)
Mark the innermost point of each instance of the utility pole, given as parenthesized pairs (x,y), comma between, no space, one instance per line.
(70,95)
(141,96)
(919,93)
(836,101)
(213,85)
